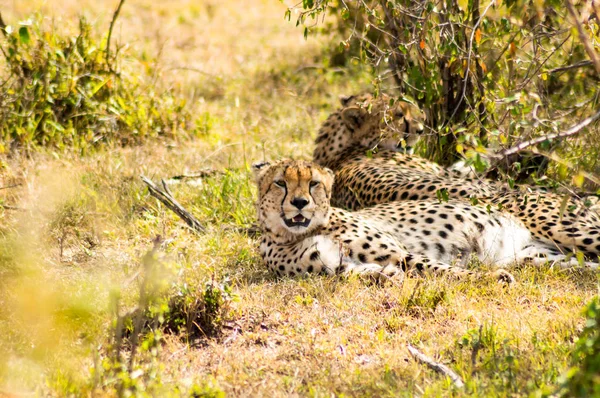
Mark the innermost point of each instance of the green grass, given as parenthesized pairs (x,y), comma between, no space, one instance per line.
(75,238)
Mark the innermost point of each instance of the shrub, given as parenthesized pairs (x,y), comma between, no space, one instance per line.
(488,74)
(583,378)
(200,314)
(64,91)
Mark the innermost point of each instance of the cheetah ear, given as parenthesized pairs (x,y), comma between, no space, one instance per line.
(259,168)
(330,178)
(329,171)
(354,117)
(404,108)
(345,99)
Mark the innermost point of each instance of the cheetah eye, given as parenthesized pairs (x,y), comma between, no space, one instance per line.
(314,184)
(280,183)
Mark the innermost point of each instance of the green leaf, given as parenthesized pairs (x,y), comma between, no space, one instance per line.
(563,205)
(442,195)
(24,35)
(345,14)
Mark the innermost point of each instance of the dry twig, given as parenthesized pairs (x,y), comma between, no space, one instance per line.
(199,174)
(3,26)
(10,186)
(110,30)
(168,200)
(438,367)
(589,47)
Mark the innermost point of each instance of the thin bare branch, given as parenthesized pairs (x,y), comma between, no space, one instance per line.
(472,38)
(110,30)
(589,48)
(576,65)
(438,367)
(572,131)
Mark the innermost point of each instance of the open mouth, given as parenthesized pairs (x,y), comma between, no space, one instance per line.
(297,221)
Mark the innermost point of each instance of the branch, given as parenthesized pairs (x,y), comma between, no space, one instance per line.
(168,200)
(466,79)
(572,131)
(576,65)
(110,30)
(589,48)
(438,367)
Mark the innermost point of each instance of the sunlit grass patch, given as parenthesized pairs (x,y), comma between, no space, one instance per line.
(68,92)
(222,324)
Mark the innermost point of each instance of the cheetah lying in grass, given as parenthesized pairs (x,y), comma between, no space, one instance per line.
(363,143)
(302,233)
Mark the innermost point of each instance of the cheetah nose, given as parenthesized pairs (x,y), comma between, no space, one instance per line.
(299,202)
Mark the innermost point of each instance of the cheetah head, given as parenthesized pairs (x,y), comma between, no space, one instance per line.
(383,122)
(293,197)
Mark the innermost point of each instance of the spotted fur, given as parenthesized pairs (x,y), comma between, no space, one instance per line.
(384,240)
(367,174)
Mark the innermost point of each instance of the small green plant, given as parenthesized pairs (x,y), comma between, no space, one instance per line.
(200,314)
(583,377)
(424,300)
(64,91)
(131,363)
(72,225)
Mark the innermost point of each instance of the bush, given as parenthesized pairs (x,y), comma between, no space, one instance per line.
(583,378)
(130,364)
(64,91)
(488,74)
(200,313)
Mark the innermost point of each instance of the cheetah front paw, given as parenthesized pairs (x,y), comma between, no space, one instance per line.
(503,276)
(377,273)
(391,273)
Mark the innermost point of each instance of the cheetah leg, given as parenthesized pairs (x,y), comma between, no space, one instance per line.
(461,169)
(574,227)
(541,255)
(378,272)
(425,265)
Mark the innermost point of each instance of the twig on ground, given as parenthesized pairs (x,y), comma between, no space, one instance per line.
(192,69)
(8,207)
(168,200)
(3,26)
(10,186)
(199,174)
(252,231)
(572,131)
(110,30)
(438,367)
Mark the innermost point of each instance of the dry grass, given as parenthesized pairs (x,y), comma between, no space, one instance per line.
(81,226)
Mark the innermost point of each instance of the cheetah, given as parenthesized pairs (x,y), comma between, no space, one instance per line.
(302,233)
(359,142)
